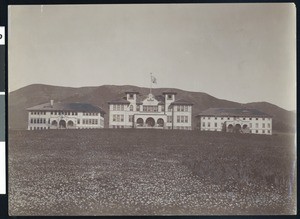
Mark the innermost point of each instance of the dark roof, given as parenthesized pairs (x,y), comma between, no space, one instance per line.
(77,107)
(233,112)
(181,102)
(119,101)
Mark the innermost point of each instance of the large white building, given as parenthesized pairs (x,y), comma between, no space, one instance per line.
(65,116)
(235,120)
(160,112)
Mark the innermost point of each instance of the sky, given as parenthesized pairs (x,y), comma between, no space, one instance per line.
(238,52)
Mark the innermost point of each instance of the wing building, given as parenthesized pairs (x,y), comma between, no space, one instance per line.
(65,116)
(237,120)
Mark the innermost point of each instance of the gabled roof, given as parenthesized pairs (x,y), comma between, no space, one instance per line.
(119,101)
(233,112)
(76,107)
(181,102)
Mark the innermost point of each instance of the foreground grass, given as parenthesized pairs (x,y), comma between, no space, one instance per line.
(149,172)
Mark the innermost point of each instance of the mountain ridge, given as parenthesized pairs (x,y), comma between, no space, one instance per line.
(34,94)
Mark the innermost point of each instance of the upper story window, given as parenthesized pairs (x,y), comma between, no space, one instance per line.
(130,96)
(131,108)
(150,108)
(138,108)
(169,97)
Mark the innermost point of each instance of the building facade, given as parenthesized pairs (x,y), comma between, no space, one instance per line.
(159,112)
(65,116)
(235,120)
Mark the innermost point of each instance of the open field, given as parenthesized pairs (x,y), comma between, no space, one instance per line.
(150,172)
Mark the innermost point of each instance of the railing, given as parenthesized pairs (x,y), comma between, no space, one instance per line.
(149,126)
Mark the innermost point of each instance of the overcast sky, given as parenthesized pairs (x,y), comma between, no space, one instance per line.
(238,52)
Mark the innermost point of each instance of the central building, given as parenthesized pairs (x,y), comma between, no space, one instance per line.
(158,112)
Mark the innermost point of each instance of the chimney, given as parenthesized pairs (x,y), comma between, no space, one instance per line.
(51,102)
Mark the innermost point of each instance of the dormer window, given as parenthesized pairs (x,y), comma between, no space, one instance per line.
(169,97)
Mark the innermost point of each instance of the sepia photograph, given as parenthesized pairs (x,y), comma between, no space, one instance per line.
(152,109)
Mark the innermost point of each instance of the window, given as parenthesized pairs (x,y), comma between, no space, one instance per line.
(243,118)
(122,118)
(203,124)
(208,124)
(263,119)
(169,97)
(163,108)
(137,108)
(78,121)
(269,131)
(216,124)
(256,118)
(178,119)
(256,131)
(250,125)
(114,107)
(263,131)
(114,118)
(221,118)
(269,125)
(186,108)
(263,125)
(186,119)
(131,108)
(182,119)
(228,118)
(169,119)
(130,96)
(215,118)
(250,118)
(130,118)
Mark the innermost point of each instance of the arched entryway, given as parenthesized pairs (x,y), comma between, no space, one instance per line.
(140,122)
(70,124)
(230,128)
(62,124)
(160,122)
(237,128)
(150,122)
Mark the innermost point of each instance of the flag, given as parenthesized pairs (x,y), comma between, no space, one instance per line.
(153,80)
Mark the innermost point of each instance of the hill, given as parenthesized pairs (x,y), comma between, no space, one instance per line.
(36,94)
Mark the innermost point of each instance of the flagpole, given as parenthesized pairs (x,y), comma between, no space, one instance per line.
(150,83)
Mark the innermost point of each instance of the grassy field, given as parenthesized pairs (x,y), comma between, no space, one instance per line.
(150,172)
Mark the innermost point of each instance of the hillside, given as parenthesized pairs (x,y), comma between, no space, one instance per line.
(36,94)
